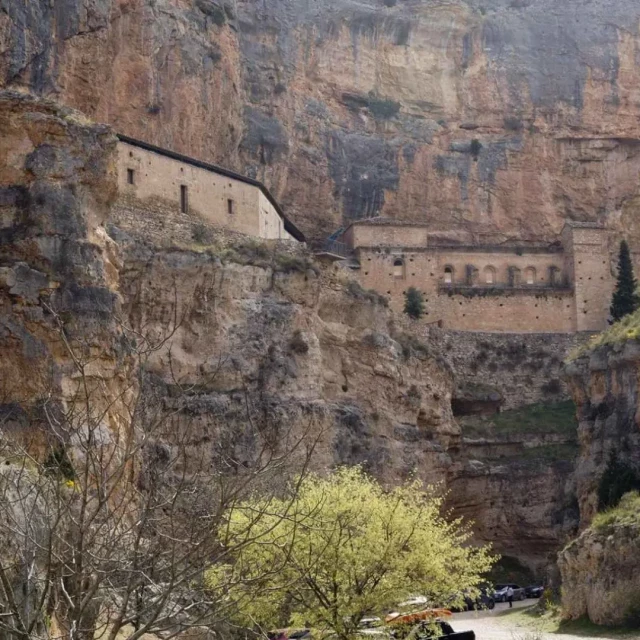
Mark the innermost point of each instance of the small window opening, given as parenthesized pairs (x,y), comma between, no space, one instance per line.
(489,275)
(230,206)
(554,276)
(130,176)
(398,268)
(471,275)
(448,275)
(530,275)
(184,199)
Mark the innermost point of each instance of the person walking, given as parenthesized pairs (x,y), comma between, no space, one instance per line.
(510,596)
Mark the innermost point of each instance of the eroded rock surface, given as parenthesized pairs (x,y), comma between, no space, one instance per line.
(59,269)
(600,568)
(600,575)
(294,350)
(257,337)
(604,384)
(487,115)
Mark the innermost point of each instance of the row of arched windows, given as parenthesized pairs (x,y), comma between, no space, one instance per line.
(489,275)
(515,276)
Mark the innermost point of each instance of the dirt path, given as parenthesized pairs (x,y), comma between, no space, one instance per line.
(495,625)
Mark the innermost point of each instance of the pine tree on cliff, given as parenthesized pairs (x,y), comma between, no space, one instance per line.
(413,303)
(625,299)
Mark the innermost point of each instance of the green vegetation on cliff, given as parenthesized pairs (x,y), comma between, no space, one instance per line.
(557,418)
(627,329)
(626,513)
(618,479)
(413,303)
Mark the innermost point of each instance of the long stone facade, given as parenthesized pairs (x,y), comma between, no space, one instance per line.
(560,287)
(171,190)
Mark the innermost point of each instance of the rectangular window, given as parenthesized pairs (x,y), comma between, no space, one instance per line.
(130,176)
(184,199)
(230,209)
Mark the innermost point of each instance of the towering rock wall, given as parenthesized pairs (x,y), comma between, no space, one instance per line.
(269,342)
(253,339)
(604,384)
(600,568)
(59,269)
(497,116)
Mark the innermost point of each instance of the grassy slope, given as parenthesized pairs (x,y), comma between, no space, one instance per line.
(627,512)
(627,329)
(558,418)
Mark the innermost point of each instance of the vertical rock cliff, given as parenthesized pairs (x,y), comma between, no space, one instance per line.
(254,340)
(604,383)
(496,116)
(59,269)
(600,568)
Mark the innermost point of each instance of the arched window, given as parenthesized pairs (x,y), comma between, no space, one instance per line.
(514,276)
(489,275)
(448,275)
(530,275)
(472,275)
(398,268)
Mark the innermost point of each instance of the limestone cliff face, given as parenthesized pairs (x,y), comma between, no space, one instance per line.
(600,575)
(253,338)
(281,345)
(496,116)
(518,492)
(604,384)
(58,266)
(600,568)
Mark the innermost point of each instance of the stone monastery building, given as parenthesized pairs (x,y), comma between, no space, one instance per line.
(564,287)
(163,189)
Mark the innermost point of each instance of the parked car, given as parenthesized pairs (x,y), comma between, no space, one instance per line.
(290,634)
(484,601)
(472,603)
(438,630)
(370,623)
(534,591)
(414,602)
(500,594)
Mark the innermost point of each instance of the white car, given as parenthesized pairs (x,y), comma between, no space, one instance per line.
(500,594)
(415,601)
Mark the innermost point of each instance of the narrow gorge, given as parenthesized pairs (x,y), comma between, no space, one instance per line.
(179,183)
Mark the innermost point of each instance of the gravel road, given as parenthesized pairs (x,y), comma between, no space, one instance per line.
(493,625)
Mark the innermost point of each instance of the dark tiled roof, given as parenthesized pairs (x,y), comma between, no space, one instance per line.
(288,225)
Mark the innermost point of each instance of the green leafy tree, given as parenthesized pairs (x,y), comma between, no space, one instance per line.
(625,300)
(340,548)
(413,303)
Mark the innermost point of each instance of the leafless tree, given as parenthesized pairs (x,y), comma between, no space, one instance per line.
(111,507)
